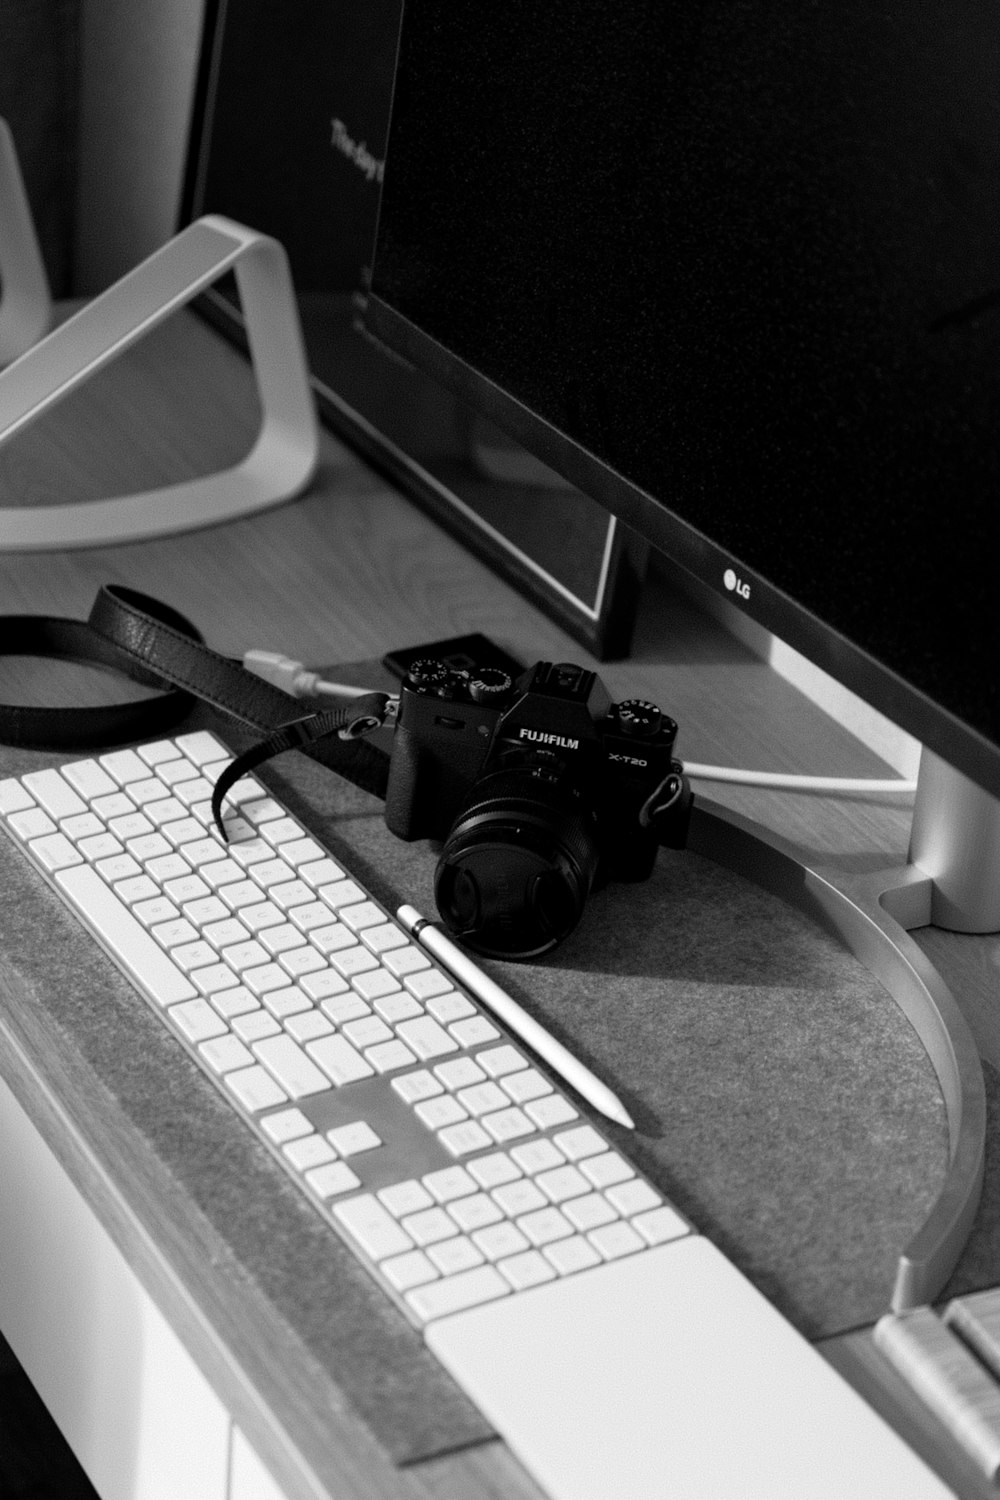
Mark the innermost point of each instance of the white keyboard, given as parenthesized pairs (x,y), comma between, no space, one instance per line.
(470,1186)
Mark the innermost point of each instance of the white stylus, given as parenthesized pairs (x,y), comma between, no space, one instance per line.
(441,947)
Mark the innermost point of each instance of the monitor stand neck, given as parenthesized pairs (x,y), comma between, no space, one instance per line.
(955,840)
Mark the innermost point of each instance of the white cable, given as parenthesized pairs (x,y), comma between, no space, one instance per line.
(294,678)
(787,781)
(291,675)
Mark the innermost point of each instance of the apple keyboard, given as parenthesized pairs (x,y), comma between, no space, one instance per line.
(615,1349)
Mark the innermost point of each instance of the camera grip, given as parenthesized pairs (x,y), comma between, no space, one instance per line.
(401,796)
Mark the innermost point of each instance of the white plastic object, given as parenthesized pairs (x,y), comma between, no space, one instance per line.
(25,306)
(282,459)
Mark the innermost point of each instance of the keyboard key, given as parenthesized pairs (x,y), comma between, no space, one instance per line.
(373,1226)
(539,1156)
(475,1212)
(123,766)
(632,1197)
(459,1073)
(285,1125)
(604,1171)
(465,1137)
(481,1098)
(406,960)
(406,1198)
(590,1211)
(13,797)
(306,1025)
(569,1182)
(32,823)
(545,1225)
(253,1087)
(473,1031)
(340,1007)
(334,1178)
(452,1007)
(364,914)
(388,1056)
(554,1109)
(436,1113)
(493,1171)
(581,1142)
(454,1293)
(525,1270)
(411,1269)
(428,1227)
(519,1197)
(426,983)
(86,825)
(285,1059)
(255,1025)
(351,1140)
(200,746)
(227,1053)
(615,1240)
(54,852)
(500,1060)
(351,961)
(530,1084)
(378,986)
(499,1240)
(455,1255)
(89,779)
(507,1125)
(426,1037)
(416,1086)
(449,1183)
(141,957)
(310,1151)
(569,1256)
(196,1020)
(366,1031)
(339,1060)
(659,1225)
(51,791)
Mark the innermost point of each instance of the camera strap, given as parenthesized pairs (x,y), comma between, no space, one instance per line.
(138,637)
(144,640)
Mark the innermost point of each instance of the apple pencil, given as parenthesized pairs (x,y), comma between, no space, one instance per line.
(488,993)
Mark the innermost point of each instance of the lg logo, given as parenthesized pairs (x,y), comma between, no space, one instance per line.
(735,585)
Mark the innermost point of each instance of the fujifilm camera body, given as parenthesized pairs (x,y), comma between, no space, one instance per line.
(538,789)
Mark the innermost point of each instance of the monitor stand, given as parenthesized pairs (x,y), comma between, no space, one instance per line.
(282,459)
(955,841)
(870,915)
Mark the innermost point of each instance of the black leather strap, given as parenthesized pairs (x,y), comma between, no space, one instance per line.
(150,643)
(98,726)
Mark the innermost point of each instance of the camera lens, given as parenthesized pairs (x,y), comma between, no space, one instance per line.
(516,869)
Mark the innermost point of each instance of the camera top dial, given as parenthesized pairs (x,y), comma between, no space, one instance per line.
(639,717)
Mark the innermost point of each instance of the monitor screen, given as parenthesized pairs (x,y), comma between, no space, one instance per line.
(734,269)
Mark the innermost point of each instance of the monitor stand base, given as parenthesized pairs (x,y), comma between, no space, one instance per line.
(870,917)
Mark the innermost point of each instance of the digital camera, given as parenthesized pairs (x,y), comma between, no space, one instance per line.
(539,789)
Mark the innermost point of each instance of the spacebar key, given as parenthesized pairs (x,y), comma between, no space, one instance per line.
(123,937)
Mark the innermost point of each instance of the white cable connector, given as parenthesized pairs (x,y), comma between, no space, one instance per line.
(295,678)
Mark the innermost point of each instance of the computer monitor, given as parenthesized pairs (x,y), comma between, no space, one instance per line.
(734,269)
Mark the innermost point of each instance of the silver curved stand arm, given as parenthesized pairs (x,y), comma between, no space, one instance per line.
(282,459)
(26,306)
(870,918)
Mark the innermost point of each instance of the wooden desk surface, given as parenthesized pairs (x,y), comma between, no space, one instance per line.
(343,574)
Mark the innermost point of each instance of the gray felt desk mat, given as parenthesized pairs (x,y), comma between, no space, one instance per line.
(781,1099)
